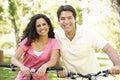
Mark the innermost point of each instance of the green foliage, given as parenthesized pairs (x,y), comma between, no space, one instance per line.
(79,15)
(12,8)
(1,10)
(23,10)
(7,45)
(3,30)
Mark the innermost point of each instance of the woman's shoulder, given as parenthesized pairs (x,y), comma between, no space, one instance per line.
(22,44)
(23,40)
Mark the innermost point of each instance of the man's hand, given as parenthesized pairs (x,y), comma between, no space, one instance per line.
(115,69)
(62,73)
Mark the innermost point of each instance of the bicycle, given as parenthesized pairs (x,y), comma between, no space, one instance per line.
(71,75)
(10,66)
(14,68)
(90,76)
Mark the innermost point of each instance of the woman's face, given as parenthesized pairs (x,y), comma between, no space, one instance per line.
(42,27)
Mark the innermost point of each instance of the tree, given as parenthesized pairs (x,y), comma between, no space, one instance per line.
(12,11)
(116,5)
(20,12)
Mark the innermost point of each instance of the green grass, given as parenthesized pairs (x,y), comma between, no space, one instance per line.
(7,74)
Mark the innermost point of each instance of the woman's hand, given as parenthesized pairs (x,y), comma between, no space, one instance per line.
(26,71)
(41,71)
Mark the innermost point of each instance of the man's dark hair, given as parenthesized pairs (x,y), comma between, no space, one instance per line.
(66,8)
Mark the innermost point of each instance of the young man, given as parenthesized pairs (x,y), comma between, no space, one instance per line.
(78,45)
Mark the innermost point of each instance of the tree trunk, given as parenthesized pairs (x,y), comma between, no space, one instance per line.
(16,31)
(116,5)
(1,56)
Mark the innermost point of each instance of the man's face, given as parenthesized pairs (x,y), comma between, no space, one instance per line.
(67,21)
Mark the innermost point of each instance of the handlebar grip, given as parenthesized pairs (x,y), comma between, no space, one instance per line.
(5,65)
(55,68)
(107,72)
(11,66)
(71,75)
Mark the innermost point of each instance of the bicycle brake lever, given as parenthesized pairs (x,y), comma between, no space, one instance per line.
(12,67)
(71,75)
(106,73)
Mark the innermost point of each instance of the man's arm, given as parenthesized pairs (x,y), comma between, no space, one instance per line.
(111,52)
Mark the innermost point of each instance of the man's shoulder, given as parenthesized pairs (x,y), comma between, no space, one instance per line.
(59,33)
(58,30)
(85,29)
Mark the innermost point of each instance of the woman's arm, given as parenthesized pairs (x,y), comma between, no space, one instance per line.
(15,60)
(52,62)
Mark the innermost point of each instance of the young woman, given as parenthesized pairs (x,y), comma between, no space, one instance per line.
(38,47)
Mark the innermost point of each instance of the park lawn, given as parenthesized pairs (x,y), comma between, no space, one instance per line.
(7,74)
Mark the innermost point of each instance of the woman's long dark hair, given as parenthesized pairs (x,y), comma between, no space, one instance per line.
(30,31)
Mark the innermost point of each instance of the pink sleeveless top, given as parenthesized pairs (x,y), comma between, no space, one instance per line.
(33,61)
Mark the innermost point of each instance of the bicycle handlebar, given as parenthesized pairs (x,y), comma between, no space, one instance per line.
(11,66)
(90,76)
(48,69)
(72,75)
